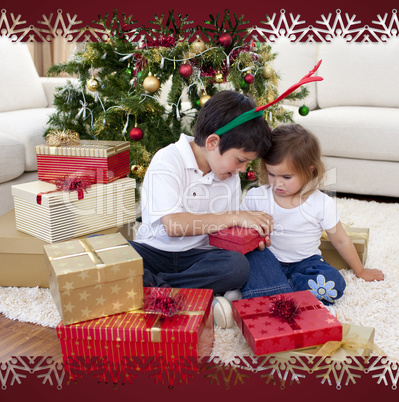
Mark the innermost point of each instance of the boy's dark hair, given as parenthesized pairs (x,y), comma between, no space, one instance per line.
(220,109)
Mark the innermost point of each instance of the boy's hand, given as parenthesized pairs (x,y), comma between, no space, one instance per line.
(260,221)
(370,275)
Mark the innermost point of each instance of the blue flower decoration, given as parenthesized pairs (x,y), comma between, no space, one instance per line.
(322,289)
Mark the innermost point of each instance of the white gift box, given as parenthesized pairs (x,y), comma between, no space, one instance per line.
(51,215)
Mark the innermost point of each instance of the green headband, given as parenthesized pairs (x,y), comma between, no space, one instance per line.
(258,111)
(241,119)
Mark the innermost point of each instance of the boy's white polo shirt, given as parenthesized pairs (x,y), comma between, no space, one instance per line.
(173,183)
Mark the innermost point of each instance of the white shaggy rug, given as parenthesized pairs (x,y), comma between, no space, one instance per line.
(372,304)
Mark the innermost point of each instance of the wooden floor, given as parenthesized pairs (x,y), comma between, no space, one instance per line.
(25,339)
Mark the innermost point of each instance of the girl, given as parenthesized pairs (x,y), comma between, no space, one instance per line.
(293,170)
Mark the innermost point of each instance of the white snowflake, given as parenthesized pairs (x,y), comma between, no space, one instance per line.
(387,29)
(281,27)
(13,27)
(273,369)
(68,28)
(327,28)
(384,371)
(340,26)
(18,368)
(339,372)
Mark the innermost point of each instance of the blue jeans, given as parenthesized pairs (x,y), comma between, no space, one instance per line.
(216,269)
(268,277)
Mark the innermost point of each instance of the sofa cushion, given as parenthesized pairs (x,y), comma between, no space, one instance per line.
(362,176)
(355,132)
(28,127)
(292,62)
(359,74)
(12,158)
(20,87)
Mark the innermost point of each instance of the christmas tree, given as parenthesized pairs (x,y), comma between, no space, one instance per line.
(120,80)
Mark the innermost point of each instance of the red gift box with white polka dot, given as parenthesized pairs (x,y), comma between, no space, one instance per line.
(266,333)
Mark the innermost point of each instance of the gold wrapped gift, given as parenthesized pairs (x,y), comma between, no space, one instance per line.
(356,341)
(359,237)
(94,277)
(22,260)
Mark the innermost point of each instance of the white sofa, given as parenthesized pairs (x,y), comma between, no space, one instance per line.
(25,106)
(354,110)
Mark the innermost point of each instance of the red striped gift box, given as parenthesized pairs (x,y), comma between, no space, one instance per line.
(188,333)
(101,161)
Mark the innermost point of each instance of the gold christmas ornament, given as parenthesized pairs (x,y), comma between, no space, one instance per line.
(198,46)
(219,77)
(204,98)
(267,72)
(92,84)
(151,83)
(138,171)
(56,138)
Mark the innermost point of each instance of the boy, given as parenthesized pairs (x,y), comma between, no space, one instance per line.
(192,188)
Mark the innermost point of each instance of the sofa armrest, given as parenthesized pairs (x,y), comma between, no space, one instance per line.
(50,84)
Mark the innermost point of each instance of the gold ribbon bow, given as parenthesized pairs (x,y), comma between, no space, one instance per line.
(350,233)
(64,137)
(348,342)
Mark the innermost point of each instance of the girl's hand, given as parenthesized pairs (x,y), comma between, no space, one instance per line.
(260,221)
(370,275)
(264,244)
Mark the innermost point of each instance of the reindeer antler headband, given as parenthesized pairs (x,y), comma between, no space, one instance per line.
(252,114)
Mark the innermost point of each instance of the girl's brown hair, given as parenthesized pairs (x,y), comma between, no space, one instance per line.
(301,149)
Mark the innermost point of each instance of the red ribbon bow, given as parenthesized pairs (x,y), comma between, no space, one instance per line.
(69,183)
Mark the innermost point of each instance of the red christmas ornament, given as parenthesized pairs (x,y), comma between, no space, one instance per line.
(185,70)
(225,40)
(249,78)
(251,175)
(136,134)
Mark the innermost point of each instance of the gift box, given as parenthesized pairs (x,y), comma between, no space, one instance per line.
(102,161)
(93,277)
(356,340)
(137,333)
(359,237)
(267,328)
(236,238)
(51,215)
(22,261)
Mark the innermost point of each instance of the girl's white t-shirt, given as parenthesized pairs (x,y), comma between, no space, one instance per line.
(296,231)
